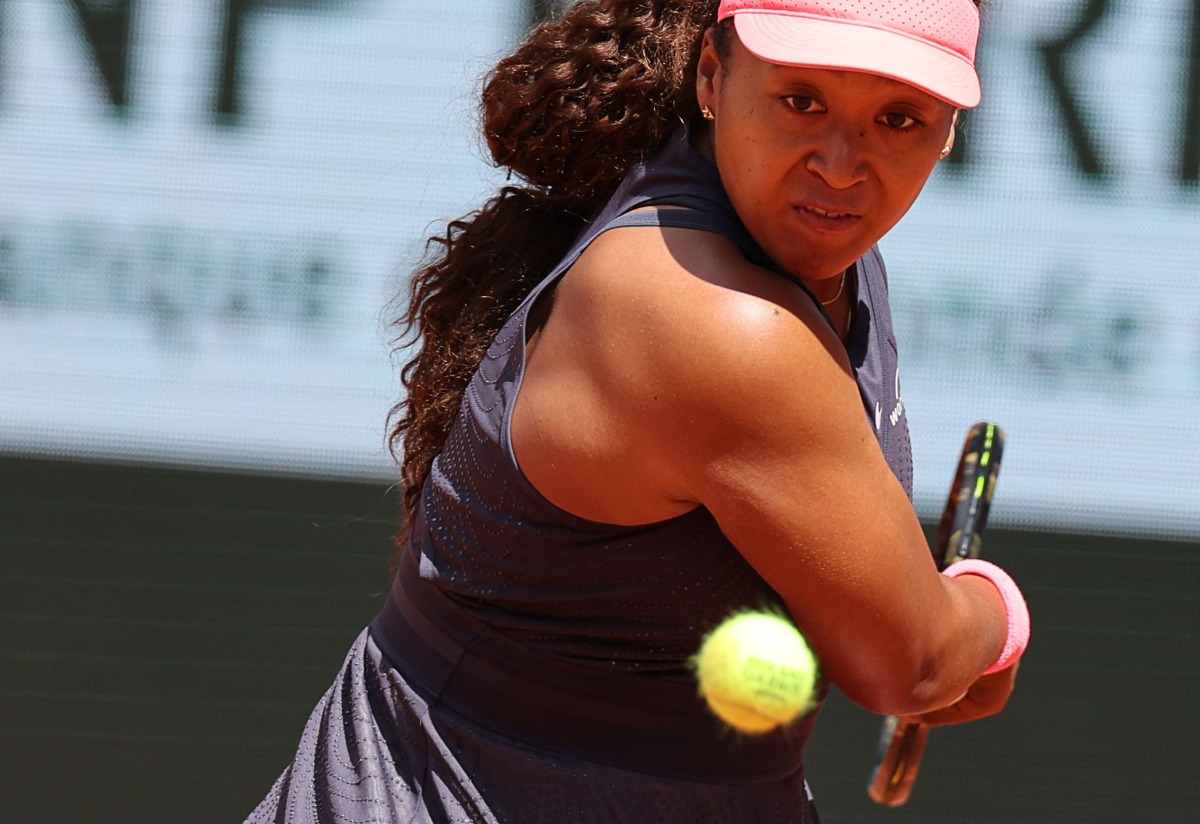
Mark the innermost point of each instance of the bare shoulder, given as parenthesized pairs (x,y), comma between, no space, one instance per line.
(678,306)
(689,324)
(655,338)
(674,349)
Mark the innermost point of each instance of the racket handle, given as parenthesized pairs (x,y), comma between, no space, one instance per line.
(901,744)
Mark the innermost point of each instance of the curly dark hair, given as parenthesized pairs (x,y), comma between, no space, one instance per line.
(582,100)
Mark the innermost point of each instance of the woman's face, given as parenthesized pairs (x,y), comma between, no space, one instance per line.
(819,164)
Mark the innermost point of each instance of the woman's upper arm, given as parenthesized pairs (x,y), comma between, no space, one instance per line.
(783,456)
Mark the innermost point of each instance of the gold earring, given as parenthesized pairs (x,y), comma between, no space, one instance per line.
(707,113)
(945,153)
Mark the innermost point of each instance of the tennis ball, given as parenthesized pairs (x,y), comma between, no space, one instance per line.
(756,671)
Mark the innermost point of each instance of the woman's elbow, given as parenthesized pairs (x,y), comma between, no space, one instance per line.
(907,689)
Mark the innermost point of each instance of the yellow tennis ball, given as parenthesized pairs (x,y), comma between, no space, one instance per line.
(756,671)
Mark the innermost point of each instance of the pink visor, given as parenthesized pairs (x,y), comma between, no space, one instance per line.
(929,44)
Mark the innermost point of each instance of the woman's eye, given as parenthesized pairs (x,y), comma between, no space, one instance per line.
(899,121)
(803,103)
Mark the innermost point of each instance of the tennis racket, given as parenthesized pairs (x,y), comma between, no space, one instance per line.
(959,536)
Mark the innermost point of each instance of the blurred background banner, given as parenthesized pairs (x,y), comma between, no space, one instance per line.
(206,208)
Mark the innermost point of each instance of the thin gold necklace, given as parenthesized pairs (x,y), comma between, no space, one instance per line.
(841,288)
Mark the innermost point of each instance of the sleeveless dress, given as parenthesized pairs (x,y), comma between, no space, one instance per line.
(533,666)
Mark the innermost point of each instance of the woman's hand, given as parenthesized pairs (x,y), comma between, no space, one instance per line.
(987,696)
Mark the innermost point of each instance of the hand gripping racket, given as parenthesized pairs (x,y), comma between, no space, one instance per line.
(959,536)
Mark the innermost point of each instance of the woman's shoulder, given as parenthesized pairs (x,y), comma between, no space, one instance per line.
(655,347)
(668,299)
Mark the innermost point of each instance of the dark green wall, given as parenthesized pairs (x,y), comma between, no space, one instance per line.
(164,634)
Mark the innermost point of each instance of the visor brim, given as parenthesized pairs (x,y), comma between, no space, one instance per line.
(798,40)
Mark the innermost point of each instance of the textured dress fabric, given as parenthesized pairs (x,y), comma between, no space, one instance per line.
(530,665)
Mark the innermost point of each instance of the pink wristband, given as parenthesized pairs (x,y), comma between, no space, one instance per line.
(1014,607)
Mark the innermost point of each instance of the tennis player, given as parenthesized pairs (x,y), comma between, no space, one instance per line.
(657,383)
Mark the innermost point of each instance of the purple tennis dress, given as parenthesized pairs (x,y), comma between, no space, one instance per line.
(532,666)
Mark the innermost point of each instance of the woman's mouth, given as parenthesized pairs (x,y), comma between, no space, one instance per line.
(827,218)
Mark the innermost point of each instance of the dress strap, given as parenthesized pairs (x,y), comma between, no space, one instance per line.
(690,213)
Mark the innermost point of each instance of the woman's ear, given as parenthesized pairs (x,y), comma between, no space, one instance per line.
(950,137)
(708,73)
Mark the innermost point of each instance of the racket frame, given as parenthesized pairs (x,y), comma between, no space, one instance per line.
(959,537)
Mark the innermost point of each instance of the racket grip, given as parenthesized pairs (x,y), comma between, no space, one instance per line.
(892,781)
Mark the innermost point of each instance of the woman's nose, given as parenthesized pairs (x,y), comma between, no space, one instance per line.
(839,158)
